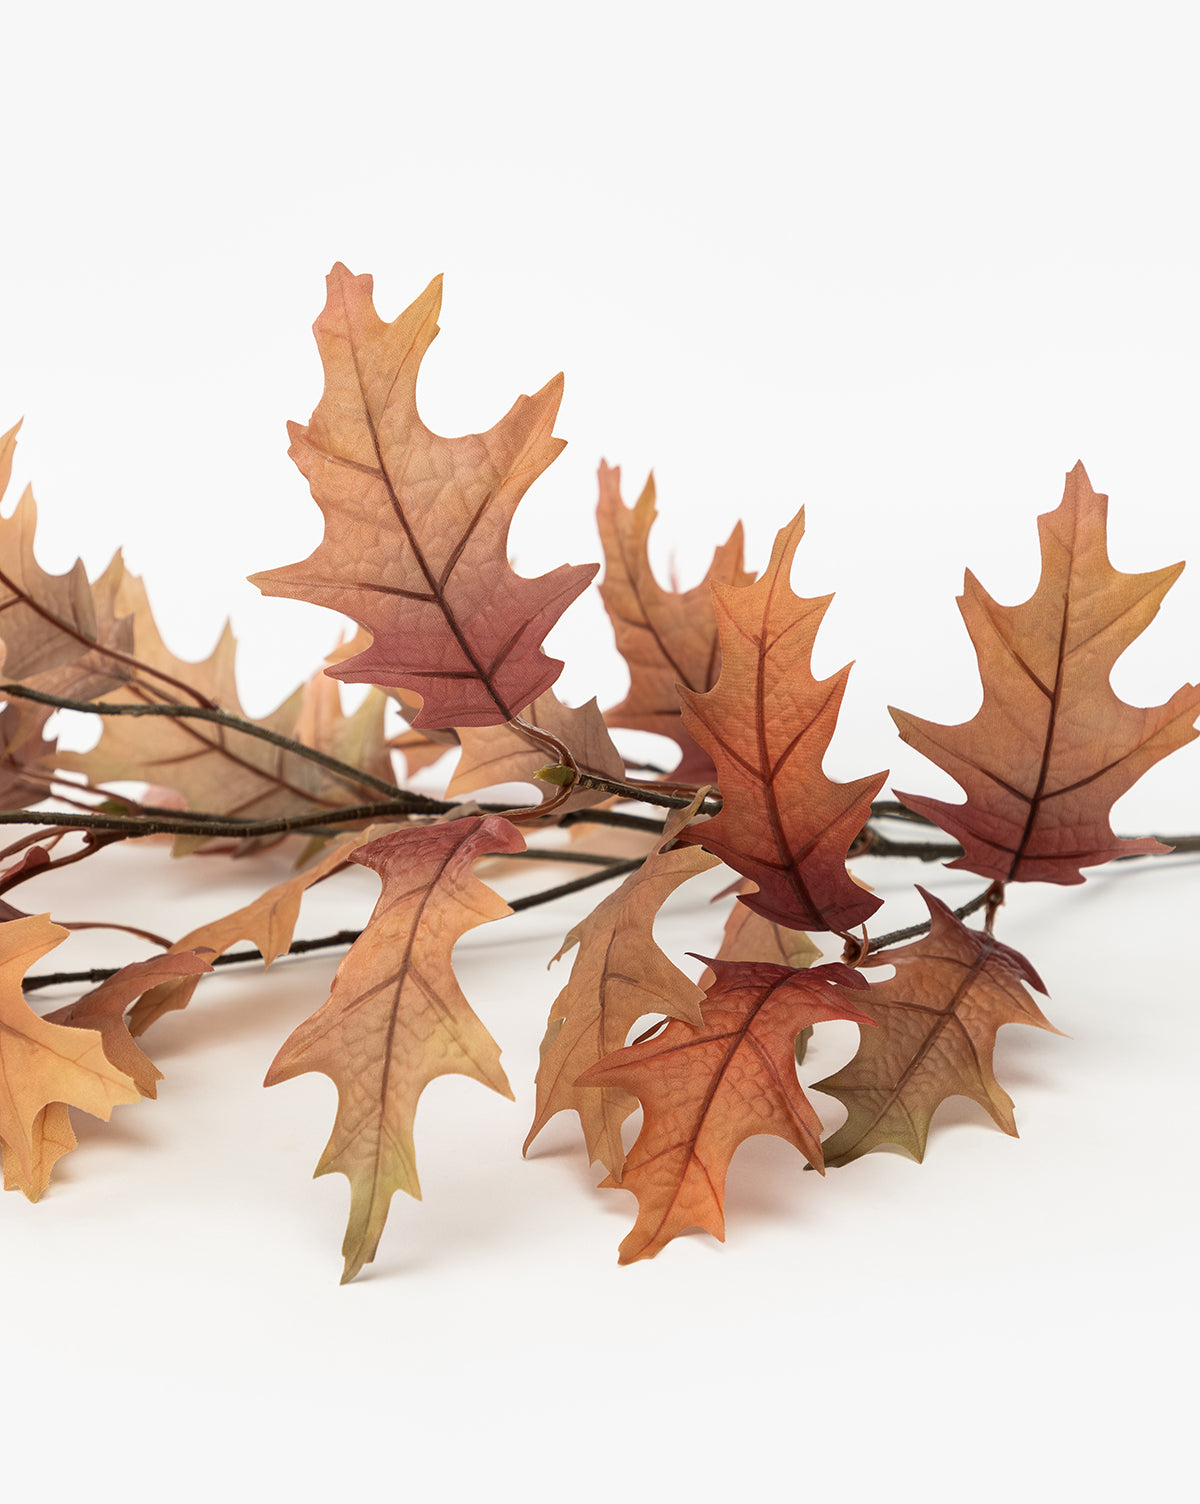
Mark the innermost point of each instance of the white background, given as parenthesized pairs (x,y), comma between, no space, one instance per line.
(902,265)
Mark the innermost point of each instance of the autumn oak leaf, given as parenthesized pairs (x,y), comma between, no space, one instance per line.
(767,724)
(618,975)
(396,1018)
(1052,748)
(44,1063)
(666,637)
(416,525)
(937,1021)
(706,1090)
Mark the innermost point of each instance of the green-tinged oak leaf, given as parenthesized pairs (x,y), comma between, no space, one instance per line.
(43,1063)
(706,1090)
(1052,747)
(937,1020)
(667,637)
(396,1018)
(416,525)
(767,724)
(501,754)
(618,974)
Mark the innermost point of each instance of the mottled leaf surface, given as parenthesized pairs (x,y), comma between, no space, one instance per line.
(666,636)
(619,974)
(767,724)
(1052,747)
(706,1090)
(396,1018)
(416,525)
(937,1021)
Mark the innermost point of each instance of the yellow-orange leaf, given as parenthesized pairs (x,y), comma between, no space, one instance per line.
(396,1018)
(618,975)
(42,1062)
(1052,747)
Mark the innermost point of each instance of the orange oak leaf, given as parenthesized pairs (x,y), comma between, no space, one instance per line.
(501,754)
(767,723)
(51,1137)
(618,975)
(218,769)
(104,1007)
(937,1022)
(102,1011)
(268,922)
(43,1063)
(1052,747)
(706,1090)
(667,637)
(396,1018)
(416,525)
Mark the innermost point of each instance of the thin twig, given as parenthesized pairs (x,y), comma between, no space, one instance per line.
(883,941)
(344,772)
(342,937)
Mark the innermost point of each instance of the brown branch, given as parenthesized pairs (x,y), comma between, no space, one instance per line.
(344,772)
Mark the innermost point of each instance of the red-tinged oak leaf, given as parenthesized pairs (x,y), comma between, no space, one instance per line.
(767,724)
(396,1018)
(416,525)
(421,749)
(618,975)
(937,1022)
(1052,747)
(501,754)
(750,937)
(667,637)
(706,1090)
(103,1009)
(43,1063)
